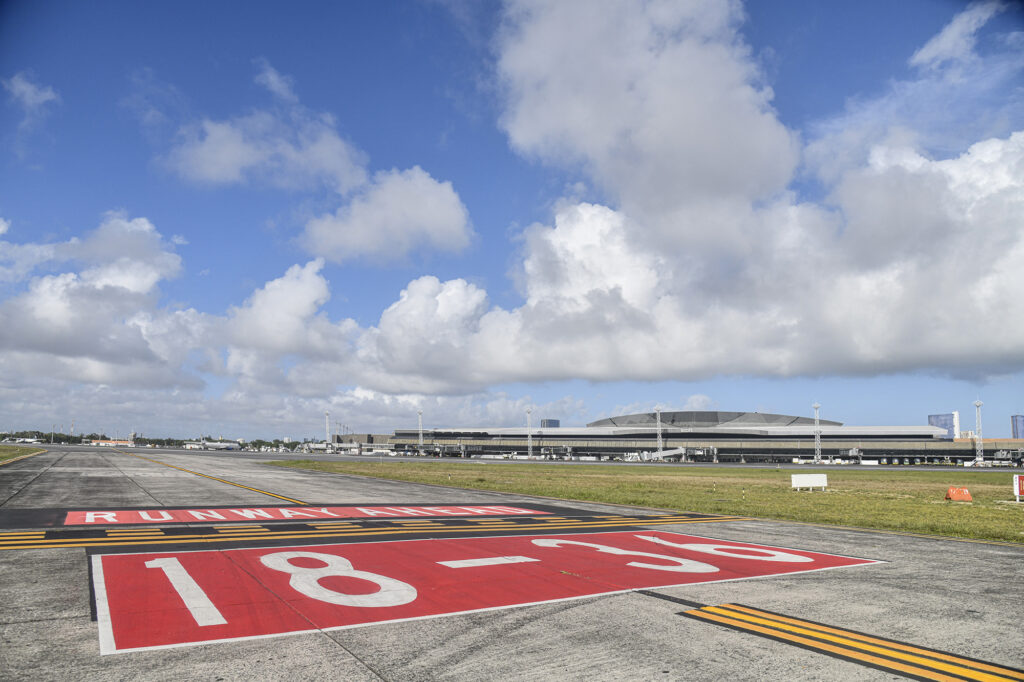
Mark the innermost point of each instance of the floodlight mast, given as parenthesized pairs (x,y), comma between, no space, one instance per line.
(529,434)
(979,445)
(817,434)
(327,430)
(657,414)
(419,417)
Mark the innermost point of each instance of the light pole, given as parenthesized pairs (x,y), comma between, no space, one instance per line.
(657,415)
(979,445)
(529,434)
(419,415)
(817,434)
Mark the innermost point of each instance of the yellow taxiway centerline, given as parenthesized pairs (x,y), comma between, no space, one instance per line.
(214,478)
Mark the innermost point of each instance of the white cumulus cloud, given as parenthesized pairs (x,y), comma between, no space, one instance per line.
(262,147)
(658,101)
(705,264)
(384,217)
(397,212)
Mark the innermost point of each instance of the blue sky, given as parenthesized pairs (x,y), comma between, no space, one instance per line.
(231,217)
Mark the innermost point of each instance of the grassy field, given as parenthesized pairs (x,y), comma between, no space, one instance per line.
(12,451)
(904,500)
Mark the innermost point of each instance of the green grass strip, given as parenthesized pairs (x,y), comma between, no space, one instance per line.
(904,500)
(11,451)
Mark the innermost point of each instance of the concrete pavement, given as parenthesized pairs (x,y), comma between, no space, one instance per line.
(957,597)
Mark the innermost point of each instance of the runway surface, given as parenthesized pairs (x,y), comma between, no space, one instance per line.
(157,564)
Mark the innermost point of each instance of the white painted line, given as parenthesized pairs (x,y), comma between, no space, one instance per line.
(489,561)
(107,645)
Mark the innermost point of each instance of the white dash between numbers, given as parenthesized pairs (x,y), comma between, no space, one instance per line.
(488,561)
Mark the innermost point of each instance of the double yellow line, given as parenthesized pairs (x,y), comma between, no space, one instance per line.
(155,536)
(876,652)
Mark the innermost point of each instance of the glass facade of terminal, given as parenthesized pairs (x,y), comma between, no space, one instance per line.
(946,421)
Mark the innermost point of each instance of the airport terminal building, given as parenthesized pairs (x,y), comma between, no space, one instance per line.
(704,436)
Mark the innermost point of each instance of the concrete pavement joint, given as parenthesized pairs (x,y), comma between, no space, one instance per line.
(298,613)
(214,478)
(32,480)
(132,479)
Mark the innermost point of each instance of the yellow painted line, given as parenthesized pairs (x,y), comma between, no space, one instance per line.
(21,457)
(334,524)
(854,647)
(237,531)
(941,655)
(213,478)
(840,651)
(134,530)
(290,535)
(933,665)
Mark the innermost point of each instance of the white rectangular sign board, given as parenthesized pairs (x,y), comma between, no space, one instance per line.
(809,481)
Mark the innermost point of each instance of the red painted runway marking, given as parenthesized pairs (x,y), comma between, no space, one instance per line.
(244,514)
(167,599)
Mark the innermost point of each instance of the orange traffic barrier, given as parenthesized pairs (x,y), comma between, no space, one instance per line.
(959,495)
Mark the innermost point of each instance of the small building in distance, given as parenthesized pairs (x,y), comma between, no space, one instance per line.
(1017,425)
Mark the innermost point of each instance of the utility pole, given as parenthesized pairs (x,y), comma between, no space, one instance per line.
(979,445)
(529,434)
(817,435)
